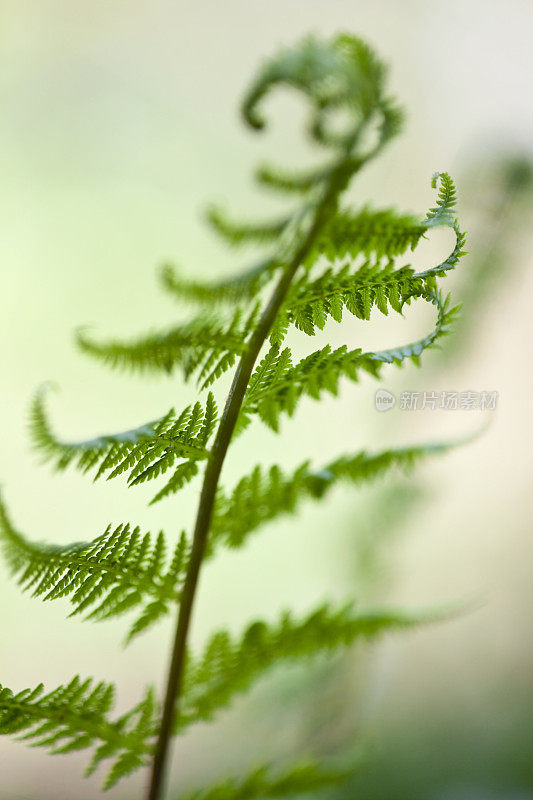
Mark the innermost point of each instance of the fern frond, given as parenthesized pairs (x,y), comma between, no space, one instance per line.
(83,454)
(237,234)
(292,181)
(391,124)
(310,303)
(264,495)
(144,453)
(141,729)
(243,286)
(182,475)
(123,570)
(264,783)
(451,261)
(75,716)
(215,365)
(228,667)
(381,233)
(186,346)
(446,315)
(276,386)
(342,73)
(117,572)
(444,212)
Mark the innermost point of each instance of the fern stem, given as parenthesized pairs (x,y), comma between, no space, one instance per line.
(225,430)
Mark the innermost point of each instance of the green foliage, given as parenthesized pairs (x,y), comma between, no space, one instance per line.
(118,571)
(261,783)
(263,496)
(205,346)
(242,286)
(277,385)
(323,260)
(311,303)
(340,74)
(444,212)
(380,233)
(144,453)
(75,716)
(236,233)
(230,667)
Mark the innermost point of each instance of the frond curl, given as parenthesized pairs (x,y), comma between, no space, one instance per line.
(444,212)
(342,74)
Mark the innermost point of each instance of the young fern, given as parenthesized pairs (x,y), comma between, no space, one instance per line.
(324,259)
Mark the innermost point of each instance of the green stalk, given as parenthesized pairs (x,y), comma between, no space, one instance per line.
(212,474)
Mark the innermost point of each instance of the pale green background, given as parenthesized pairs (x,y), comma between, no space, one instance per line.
(117,122)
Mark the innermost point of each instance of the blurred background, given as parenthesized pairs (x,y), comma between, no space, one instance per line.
(118,122)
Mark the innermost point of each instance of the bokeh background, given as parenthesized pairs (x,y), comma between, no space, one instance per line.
(118,122)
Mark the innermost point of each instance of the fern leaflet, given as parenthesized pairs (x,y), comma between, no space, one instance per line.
(194,347)
(144,453)
(277,385)
(263,496)
(117,572)
(75,716)
(241,287)
(230,667)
